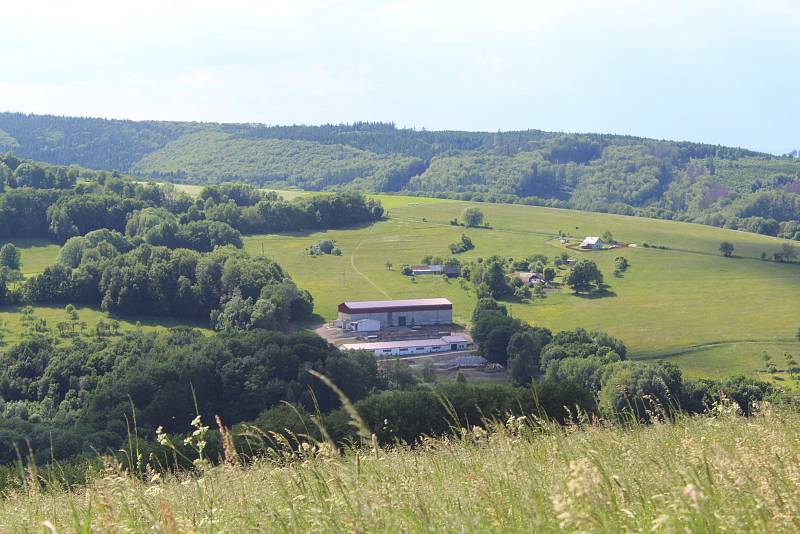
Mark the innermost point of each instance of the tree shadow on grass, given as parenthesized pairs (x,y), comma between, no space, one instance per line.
(305,232)
(603,292)
(315,321)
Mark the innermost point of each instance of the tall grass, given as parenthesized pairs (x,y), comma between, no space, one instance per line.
(698,474)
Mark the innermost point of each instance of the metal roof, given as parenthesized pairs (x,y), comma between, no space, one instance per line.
(408,343)
(376,306)
(456,339)
(465,361)
(436,268)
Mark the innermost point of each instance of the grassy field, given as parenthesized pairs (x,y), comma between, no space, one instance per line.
(711,315)
(194,190)
(714,474)
(669,302)
(36,253)
(13,327)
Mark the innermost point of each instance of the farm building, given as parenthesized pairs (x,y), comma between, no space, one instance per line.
(365,325)
(464,362)
(410,347)
(530,279)
(451,271)
(417,312)
(592,243)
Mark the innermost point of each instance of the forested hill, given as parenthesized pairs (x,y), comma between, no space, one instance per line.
(710,184)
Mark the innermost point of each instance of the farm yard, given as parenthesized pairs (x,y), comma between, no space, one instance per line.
(680,302)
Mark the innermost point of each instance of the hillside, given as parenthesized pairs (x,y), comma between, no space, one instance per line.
(684,302)
(720,186)
(701,474)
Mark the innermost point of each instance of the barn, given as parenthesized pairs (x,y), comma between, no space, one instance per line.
(416,312)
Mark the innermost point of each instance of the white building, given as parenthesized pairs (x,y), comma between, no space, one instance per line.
(592,243)
(409,347)
(417,312)
(365,325)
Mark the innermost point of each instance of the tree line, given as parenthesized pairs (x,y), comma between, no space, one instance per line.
(70,400)
(160,215)
(709,184)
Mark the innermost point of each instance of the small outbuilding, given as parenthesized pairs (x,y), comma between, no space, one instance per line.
(530,279)
(421,270)
(592,243)
(451,271)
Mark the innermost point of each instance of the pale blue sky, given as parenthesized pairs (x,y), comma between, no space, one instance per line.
(723,72)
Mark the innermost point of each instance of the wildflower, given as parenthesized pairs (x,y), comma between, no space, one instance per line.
(161,437)
(584,478)
(691,492)
(154,491)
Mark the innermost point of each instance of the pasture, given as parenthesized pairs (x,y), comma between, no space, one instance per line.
(668,303)
(713,316)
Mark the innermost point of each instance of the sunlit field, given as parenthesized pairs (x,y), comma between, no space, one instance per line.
(667,301)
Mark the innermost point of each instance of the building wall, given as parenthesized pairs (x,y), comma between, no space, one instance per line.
(424,317)
(411,351)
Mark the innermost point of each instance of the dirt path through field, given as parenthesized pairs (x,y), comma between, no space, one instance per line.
(364,276)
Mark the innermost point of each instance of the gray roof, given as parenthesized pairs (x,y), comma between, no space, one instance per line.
(444,341)
(434,268)
(408,343)
(465,361)
(456,339)
(368,304)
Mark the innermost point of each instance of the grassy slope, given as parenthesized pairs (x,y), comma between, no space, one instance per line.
(697,475)
(676,304)
(668,300)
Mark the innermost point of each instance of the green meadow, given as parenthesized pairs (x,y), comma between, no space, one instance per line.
(712,315)
(37,253)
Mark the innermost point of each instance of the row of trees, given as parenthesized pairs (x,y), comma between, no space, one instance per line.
(716,185)
(73,399)
(76,397)
(159,215)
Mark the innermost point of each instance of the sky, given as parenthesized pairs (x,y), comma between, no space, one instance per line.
(723,72)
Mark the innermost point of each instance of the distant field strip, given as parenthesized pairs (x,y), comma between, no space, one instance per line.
(689,349)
